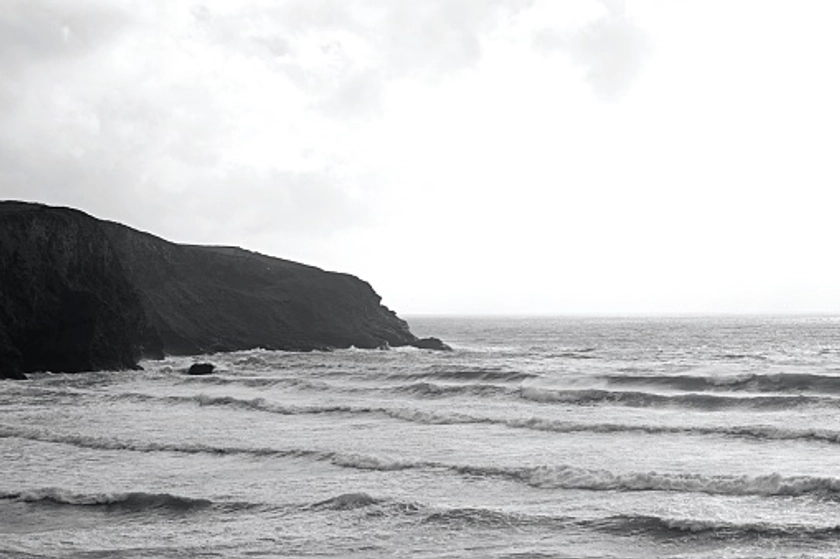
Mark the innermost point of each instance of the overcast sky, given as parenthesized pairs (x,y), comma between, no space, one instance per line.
(463,156)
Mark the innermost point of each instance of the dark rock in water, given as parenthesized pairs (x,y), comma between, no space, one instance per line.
(201,369)
(431,343)
(79,294)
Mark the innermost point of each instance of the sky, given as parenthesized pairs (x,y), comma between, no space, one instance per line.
(462,156)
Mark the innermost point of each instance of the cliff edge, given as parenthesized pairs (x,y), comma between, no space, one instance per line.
(80,294)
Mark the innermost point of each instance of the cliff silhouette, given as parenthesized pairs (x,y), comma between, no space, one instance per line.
(81,294)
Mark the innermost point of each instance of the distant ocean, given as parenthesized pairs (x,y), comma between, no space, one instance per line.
(535,438)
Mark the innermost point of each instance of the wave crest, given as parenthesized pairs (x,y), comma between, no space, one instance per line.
(570,477)
(136,501)
(347,501)
(544,477)
(667,528)
(432,390)
(647,399)
(467,374)
(758,382)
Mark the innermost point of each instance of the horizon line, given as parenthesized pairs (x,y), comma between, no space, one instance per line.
(627,314)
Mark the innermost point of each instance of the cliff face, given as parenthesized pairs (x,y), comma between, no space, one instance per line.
(77,293)
(202,298)
(65,301)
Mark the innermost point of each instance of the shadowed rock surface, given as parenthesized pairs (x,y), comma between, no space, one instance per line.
(431,343)
(201,369)
(79,294)
(66,303)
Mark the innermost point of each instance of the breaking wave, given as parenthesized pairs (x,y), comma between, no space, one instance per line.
(633,525)
(707,396)
(775,382)
(667,528)
(545,477)
(432,390)
(259,382)
(647,399)
(253,404)
(625,525)
(347,501)
(704,399)
(478,374)
(136,501)
(427,417)
(102,443)
(570,477)
(488,518)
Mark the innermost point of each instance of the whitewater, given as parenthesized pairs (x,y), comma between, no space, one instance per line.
(677,437)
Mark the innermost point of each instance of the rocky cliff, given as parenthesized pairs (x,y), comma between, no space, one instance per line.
(79,294)
(66,303)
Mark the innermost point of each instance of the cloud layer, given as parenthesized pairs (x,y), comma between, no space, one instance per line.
(148,107)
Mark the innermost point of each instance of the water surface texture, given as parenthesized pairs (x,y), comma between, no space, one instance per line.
(543,437)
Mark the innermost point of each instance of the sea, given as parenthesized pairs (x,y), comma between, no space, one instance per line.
(536,437)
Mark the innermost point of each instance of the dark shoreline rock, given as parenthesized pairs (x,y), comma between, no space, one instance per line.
(82,294)
(431,343)
(201,369)
(12,374)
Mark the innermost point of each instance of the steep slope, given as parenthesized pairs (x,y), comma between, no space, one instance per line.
(202,299)
(65,301)
(77,294)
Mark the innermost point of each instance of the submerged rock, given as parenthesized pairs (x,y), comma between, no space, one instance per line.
(201,369)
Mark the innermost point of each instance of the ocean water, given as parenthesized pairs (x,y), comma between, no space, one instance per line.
(537,437)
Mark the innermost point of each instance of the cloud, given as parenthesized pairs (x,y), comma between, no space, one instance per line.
(168,108)
(611,49)
(342,54)
(49,29)
(199,118)
(47,34)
